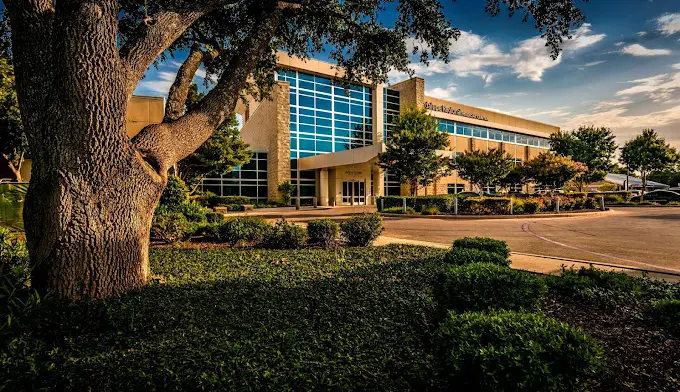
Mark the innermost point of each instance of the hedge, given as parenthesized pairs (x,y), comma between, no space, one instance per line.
(484,286)
(323,232)
(667,314)
(362,230)
(463,256)
(509,351)
(485,244)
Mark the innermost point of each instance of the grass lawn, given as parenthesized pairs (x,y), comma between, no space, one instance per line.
(348,319)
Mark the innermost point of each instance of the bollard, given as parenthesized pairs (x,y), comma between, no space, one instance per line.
(602,208)
(314,202)
(511,209)
(557,208)
(403,202)
(382,205)
(297,203)
(455,205)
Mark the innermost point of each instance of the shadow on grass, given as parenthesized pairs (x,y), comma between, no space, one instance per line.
(275,327)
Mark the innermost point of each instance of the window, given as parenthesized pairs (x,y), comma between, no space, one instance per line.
(455,188)
(249,180)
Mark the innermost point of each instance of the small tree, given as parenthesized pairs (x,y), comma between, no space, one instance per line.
(484,168)
(411,150)
(519,175)
(13,143)
(648,152)
(223,151)
(286,188)
(592,146)
(554,171)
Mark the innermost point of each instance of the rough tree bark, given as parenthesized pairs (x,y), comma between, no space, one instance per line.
(93,192)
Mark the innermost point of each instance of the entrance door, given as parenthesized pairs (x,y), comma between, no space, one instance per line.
(353,192)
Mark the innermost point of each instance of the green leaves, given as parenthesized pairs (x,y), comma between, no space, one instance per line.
(592,146)
(484,168)
(648,152)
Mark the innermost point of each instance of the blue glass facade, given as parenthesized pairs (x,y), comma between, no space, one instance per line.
(249,180)
(462,129)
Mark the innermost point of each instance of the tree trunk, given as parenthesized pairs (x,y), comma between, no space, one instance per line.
(414,187)
(644,185)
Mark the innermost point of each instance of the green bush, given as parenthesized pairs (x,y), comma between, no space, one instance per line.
(483,243)
(430,210)
(667,314)
(531,206)
(399,210)
(193,211)
(323,232)
(243,230)
(225,201)
(509,351)
(175,193)
(286,189)
(443,202)
(284,235)
(362,230)
(214,217)
(463,256)
(484,286)
(484,206)
(170,227)
(16,296)
(594,286)
(518,206)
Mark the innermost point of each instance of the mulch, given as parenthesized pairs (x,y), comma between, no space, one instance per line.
(642,356)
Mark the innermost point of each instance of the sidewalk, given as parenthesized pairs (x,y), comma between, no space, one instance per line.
(305,213)
(543,264)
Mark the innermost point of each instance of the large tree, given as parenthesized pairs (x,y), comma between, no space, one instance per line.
(484,168)
(93,191)
(411,150)
(592,146)
(13,143)
(646,153)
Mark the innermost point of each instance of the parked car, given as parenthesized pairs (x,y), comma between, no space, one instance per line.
(659,196)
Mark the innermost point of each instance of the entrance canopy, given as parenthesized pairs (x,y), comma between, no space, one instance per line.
(342,158)
(633,182)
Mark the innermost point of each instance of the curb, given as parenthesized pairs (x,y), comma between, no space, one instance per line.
(492,217)
(600,264)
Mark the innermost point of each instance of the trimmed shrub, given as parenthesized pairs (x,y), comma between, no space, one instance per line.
(175,193)
(243,229)
(595,286)
(284,235)
(484,286)
(212,200)
(398,210)
(286,189)
(509,351)
(430,210)
(214,217)
(667,314)
(362,230)
(485,244)
(170,227)
(531,206)
(484,206)
(323,232)
(518,206)
(463,256)
(443,202)
(193,211)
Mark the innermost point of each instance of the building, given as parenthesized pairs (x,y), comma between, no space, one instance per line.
(326,142)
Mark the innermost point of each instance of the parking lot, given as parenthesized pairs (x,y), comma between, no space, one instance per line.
(644,237)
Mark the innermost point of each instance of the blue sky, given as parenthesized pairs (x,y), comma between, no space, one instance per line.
(621,69)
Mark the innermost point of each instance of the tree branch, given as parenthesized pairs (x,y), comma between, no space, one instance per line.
(165,144)
(177,96)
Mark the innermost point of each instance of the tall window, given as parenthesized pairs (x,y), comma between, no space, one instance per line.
(391,107)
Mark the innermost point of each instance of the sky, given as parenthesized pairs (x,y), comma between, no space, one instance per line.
(621,69)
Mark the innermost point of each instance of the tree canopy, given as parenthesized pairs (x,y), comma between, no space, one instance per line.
(484,168)
(554,171)
(13,143)
(593,146)
(411,150)
(646,153)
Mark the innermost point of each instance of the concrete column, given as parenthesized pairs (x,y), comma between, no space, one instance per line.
(378,118)
(323,187)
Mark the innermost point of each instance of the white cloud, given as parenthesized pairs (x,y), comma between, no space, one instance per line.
(200,73)
(558,112)
(620,43)
(641,33)
(441,93)
(669,24)
(659,88)
(676,66)
(611,104)
(594,63)
(473,56)
(639,50)
(618,118)
(160,85)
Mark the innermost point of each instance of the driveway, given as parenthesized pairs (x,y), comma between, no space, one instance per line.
(648,238)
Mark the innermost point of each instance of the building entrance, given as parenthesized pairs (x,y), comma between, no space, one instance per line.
(353,192)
